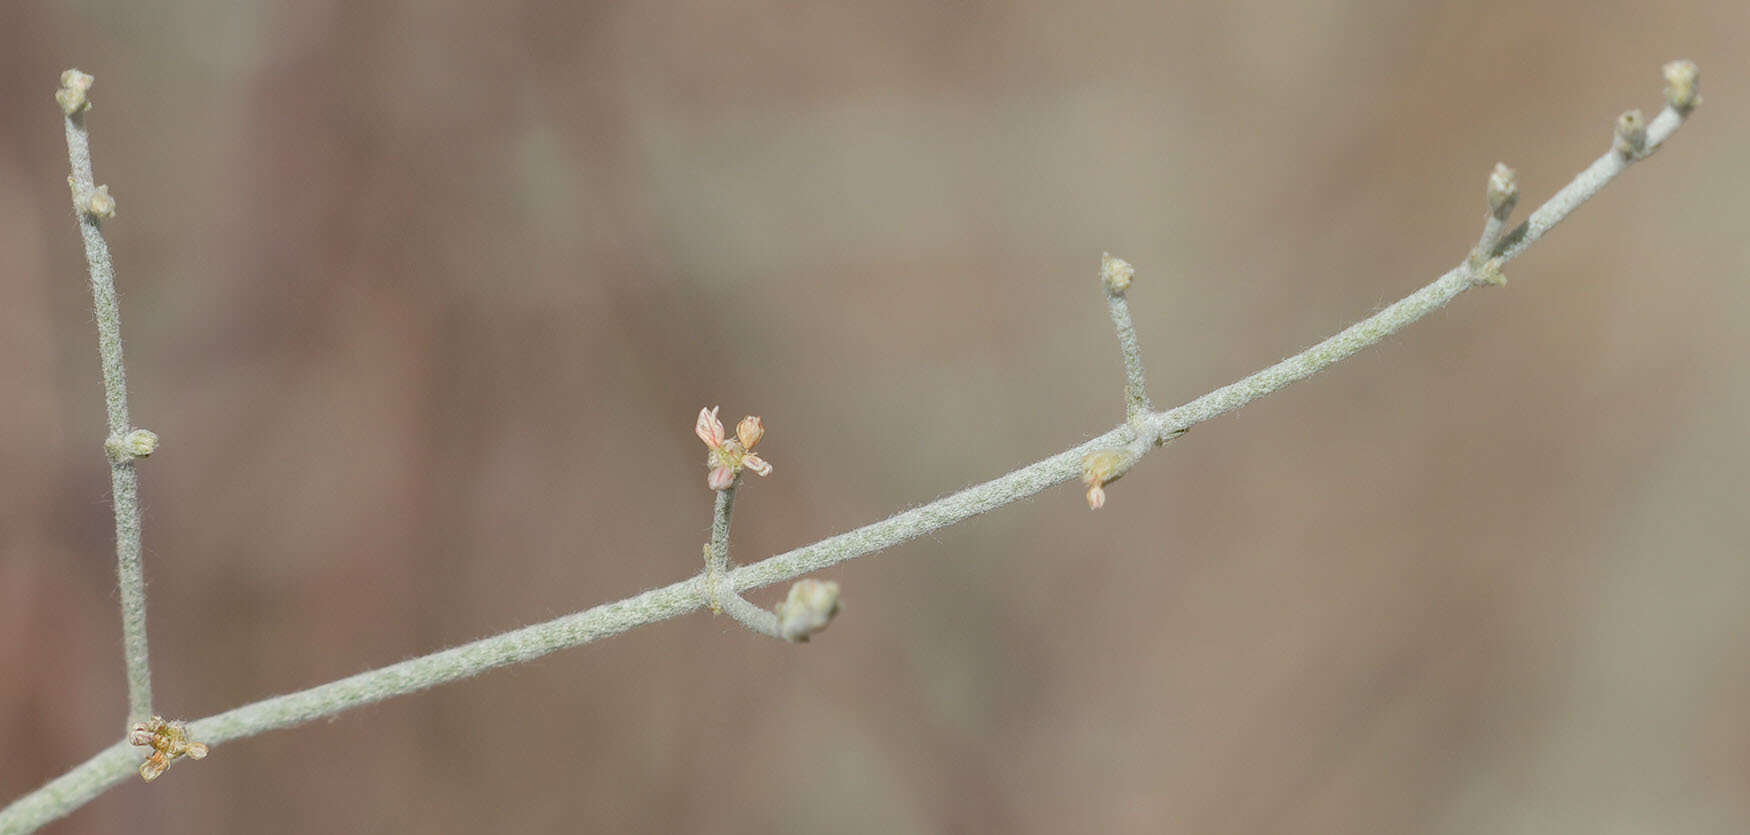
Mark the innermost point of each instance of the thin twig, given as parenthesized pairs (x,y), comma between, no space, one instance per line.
(112,765)
(90,205)
(712,584)
(1116,274)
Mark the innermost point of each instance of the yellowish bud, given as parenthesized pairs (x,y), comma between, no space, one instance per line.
(1682,84)
(72,95)
(1117,273)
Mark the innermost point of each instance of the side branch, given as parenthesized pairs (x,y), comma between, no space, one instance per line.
(719,594)
(92,204)
(1116,275)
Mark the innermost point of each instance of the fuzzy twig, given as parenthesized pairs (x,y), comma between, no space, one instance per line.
(92,204)
(1135,437)
(718,593)
(1116,275)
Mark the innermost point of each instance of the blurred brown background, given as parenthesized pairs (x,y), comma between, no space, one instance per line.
(423,298)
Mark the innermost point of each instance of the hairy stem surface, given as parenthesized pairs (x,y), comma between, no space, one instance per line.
(124,478)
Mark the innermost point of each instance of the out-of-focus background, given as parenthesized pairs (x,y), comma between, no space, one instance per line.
(423,298)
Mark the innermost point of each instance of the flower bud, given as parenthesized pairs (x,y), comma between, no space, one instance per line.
(809,607)
(1503,190)
(99,204)
(749,431)
(1682,80)
(1631,133)
(72,95)
(1116,273)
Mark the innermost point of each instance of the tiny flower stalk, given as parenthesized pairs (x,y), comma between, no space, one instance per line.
(169,742)
(727,456)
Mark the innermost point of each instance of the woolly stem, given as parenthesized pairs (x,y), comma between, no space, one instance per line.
(123,477)
(1116,275)
(713,585)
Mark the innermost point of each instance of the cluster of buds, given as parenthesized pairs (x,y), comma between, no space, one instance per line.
(727,457)
(1116,273)
(75,86)
(168,741)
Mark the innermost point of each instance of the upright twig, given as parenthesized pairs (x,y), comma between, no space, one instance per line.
(1116,275)
(1131,439)
(720,595)
(92,205)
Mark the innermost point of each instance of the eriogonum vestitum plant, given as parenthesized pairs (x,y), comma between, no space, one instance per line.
(810,603)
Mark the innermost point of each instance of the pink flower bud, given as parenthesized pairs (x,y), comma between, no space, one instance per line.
(749,431)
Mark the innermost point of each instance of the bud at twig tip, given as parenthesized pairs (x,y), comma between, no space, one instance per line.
(809,607)
(72,95)
(1503,190)
(1117,273)
(1682,85)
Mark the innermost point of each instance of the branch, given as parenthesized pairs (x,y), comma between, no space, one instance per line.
(92,204)
(1125,443)
(811,604)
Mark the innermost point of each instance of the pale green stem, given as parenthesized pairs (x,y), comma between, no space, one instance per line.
(713,585)
(123,478)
